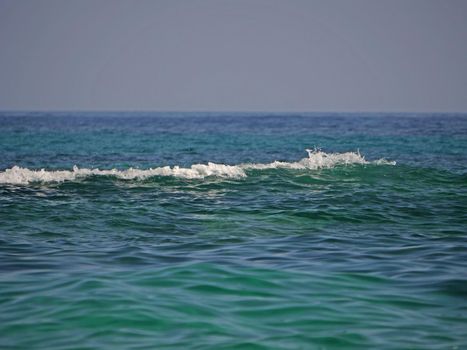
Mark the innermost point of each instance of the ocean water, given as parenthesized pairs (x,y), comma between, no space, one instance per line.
(233,231)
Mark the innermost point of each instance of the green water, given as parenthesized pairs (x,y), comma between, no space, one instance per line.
(349,253)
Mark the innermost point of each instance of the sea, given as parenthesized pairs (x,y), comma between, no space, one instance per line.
(142,230)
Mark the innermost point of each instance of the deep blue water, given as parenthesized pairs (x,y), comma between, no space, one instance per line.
(359,244)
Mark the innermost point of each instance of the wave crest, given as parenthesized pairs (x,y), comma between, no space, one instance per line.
(316,160)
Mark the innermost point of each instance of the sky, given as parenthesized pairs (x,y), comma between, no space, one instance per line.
(234,55)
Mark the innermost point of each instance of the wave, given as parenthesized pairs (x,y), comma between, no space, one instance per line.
(316,160)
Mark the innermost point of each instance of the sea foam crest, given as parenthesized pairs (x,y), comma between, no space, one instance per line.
(316,160)
(18,175)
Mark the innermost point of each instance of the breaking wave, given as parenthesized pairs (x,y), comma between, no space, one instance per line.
(316,160)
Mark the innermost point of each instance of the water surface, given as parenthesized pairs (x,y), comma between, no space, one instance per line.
(220,231)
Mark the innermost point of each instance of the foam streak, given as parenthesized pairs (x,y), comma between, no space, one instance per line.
(315,160)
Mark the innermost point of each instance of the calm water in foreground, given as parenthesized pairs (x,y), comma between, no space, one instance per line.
(198,239)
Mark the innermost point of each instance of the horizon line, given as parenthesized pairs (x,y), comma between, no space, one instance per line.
(122,111)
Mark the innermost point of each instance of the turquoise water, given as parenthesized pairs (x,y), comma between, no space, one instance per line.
(359,243)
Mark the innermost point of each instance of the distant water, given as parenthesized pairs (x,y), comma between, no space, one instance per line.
(221,231)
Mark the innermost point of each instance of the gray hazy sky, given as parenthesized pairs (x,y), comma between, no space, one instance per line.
(215,55)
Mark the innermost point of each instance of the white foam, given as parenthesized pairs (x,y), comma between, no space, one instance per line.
(316,160)
(17,175)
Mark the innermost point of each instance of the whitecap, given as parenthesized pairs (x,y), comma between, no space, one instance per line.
(316,160)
